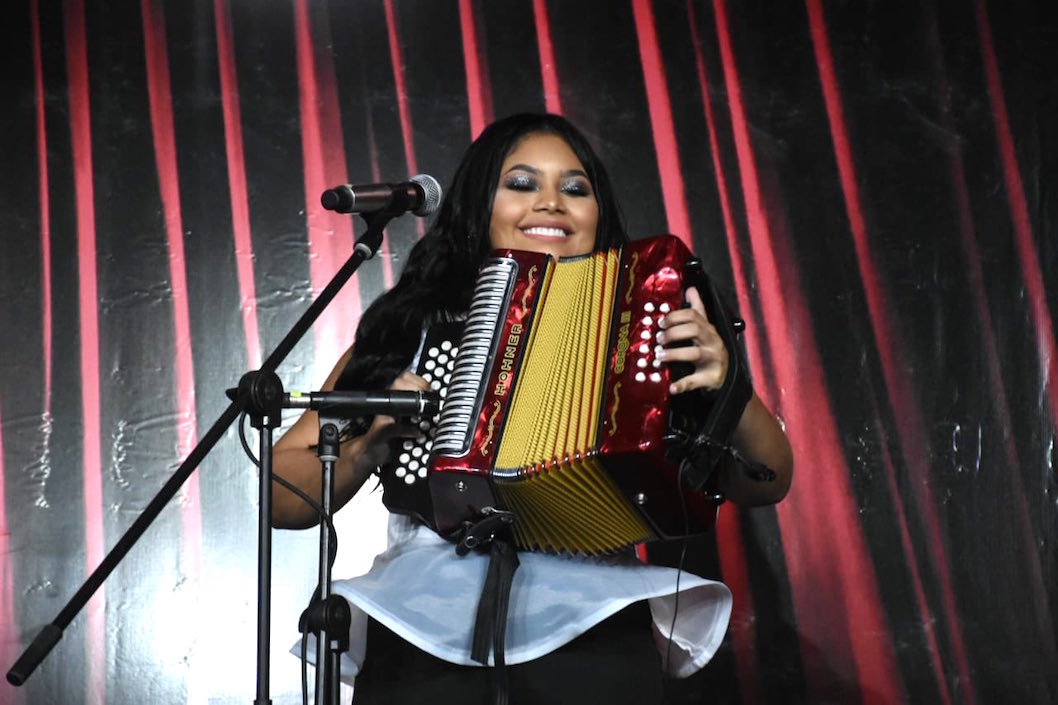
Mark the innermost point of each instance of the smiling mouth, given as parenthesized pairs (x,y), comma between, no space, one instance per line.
(544,232)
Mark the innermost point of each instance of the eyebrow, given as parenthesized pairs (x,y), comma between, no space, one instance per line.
(537,172)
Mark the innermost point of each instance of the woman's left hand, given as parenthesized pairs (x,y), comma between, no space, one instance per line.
(706,350)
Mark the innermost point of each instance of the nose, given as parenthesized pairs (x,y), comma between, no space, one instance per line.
(549,200)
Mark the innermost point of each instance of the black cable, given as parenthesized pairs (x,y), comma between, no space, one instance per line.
(305,666)
(296,490)
(684,464)
(332,553)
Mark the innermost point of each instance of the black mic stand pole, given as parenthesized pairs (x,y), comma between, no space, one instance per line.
(259,393)
(328,616)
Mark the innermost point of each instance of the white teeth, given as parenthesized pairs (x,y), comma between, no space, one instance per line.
(545,232)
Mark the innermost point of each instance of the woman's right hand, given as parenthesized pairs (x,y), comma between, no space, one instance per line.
(294,457)
(385,428)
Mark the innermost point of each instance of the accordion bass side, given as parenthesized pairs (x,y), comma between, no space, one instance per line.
(558,411)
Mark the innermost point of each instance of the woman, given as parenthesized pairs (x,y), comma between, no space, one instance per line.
(529,182)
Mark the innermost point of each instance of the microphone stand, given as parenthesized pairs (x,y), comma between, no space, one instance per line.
(260,394)
(328,615)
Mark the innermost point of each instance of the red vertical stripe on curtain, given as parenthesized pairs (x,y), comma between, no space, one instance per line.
(824,544)
(728,533)
(159,94)
(1019,214)
(548,70)
(9,636)
(396,61)
(88,298)
(240,206)
(906,544)
(330,235)
(990,349)
(479,98)
(45,209)
(660,108)
(376,176)
(908,416)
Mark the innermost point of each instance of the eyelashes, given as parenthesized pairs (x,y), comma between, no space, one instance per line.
(520,182)
(576,186)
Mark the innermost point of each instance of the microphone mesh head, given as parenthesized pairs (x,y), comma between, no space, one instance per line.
(432,194)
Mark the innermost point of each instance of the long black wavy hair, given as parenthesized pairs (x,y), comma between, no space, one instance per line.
(438,280)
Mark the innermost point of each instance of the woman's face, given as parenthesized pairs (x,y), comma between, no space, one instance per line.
(544,201)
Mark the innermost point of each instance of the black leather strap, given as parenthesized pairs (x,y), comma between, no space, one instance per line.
(490,625)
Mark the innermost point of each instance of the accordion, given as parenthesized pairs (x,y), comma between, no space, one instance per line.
(556,409)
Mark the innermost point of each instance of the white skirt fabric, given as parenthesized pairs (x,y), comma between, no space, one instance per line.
(425,593)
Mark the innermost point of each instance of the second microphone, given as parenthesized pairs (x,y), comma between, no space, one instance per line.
(421,196)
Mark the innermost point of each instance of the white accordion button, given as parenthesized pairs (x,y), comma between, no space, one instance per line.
(645,335)
(641,376)
(655,376)
(446,345)
(641,362)
(400,472)
(664,308)
(648,307)
(409,479)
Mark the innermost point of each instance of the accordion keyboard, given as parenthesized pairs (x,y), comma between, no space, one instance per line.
(462,401)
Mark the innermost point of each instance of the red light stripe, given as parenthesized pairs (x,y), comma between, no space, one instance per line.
(825,549)
(45,209)
(88,297)
(989,347)
(660,107)
(906,544)
(396,60)
(240,207)
(1037,299)
(729,537)
(9,636)
(1019,212)
(376,176)
(548,70)
(160,98)
(743,614)
(477,98)
(908,417)
(330,235)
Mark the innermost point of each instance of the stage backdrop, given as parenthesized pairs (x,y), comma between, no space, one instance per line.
(872,185)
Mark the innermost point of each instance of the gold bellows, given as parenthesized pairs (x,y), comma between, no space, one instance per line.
(546,472)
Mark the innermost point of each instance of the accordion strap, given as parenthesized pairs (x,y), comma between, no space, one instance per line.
(490,625)
(705,446)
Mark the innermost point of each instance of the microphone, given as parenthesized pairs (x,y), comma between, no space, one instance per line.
(421,196)
(387,402)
